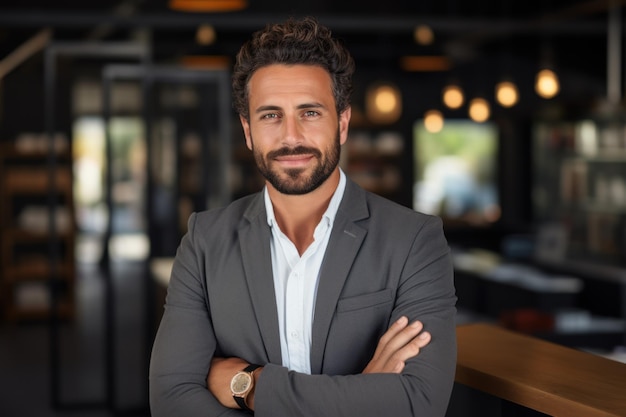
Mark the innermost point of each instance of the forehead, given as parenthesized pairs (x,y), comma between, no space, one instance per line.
(281,80)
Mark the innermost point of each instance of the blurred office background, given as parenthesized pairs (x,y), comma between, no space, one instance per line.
(504,118)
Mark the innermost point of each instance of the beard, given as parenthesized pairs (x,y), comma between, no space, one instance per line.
(295,181)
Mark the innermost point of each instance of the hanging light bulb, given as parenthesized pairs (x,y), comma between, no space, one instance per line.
(433,121)
(479,110)
(507,94)
(205,35)
(383,103)
(453,96)
(423,35)
(547,83)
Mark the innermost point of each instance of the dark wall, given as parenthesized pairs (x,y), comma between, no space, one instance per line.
(23,98)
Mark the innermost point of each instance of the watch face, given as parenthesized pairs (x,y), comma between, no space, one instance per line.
(240,383)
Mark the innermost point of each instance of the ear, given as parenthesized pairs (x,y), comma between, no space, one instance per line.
(344,123)
(246,131)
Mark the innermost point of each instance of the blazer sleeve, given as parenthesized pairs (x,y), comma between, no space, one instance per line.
(426,292)
(185,343)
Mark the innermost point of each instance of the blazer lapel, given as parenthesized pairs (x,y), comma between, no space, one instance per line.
(344,243)
(257,262)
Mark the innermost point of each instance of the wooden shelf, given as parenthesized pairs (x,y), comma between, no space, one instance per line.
(37,270)
(37,181)
(12,153)
(26,263)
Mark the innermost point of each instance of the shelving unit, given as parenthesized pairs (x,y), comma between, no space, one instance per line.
(28,270)
(373,160)
(580,184)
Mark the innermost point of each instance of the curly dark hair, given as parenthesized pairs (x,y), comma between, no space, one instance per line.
(294,42)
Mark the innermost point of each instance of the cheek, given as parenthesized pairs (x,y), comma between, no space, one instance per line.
(264,136)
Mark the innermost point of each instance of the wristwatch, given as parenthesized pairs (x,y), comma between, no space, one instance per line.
(242,384)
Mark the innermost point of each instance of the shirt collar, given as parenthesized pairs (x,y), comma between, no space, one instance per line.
(330,213)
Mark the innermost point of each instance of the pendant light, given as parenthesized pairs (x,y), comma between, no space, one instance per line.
(423,35)
(383,103)
(453,96)
(433,121)
(507,93)
(479,110)
(547,83)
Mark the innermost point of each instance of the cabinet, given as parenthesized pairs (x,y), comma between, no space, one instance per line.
(579,185)
(33,261)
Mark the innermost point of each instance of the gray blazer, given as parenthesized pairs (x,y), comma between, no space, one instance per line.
(382,261)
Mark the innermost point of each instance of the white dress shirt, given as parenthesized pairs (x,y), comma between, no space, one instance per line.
(295,282)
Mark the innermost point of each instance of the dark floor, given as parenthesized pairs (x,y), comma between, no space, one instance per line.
(27,387)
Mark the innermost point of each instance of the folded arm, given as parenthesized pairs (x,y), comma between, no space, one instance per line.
(425,292)
(402,341)
(186,345)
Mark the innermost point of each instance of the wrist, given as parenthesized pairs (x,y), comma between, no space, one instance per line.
(242,387)
(250,399)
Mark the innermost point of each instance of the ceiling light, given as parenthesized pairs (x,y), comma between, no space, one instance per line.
(207,6)
(205,35)
(479,110)
(383,103)
(547,83)
(423,35)
(433,121)
(453,96)
(507,94)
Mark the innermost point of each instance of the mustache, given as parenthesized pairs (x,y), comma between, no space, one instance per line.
(298,150)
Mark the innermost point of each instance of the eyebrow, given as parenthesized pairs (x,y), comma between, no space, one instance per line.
(299,107)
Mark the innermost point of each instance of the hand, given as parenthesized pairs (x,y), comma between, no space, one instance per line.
(218,381)
(400,342)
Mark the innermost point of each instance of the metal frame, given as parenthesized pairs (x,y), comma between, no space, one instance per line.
(149,75)
(121,50)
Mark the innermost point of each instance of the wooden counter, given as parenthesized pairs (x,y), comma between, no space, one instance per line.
(539,375)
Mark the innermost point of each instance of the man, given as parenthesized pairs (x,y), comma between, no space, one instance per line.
(313,297)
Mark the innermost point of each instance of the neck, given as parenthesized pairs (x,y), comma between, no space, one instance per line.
(298,215)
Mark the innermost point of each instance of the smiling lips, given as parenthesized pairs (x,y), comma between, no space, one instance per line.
(294,157)
(294,160)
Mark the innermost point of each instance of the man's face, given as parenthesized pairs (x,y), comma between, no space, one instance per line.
(294,131)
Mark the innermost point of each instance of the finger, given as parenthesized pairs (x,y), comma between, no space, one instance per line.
(423,339)
(413,347)
(409,350)
(401,339)
(393,330)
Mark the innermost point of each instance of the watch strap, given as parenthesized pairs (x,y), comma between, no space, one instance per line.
(251,367)
(241,401)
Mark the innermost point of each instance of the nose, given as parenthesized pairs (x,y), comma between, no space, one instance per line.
(293,134)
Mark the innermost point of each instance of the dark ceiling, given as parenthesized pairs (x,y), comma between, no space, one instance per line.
(377,32)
